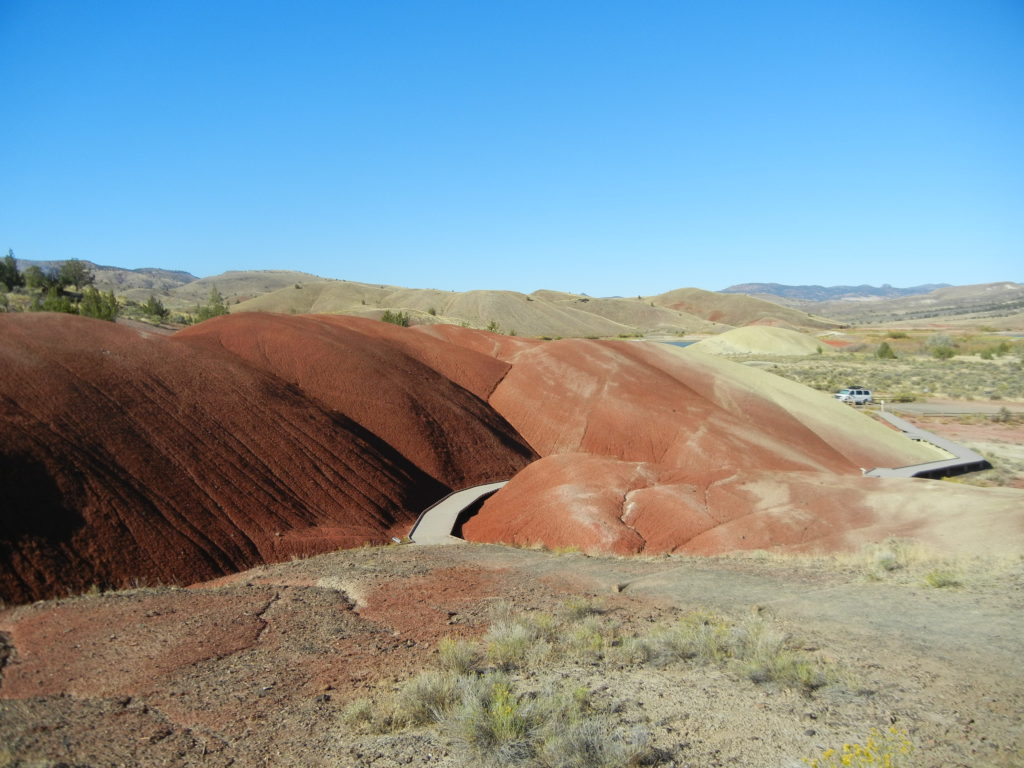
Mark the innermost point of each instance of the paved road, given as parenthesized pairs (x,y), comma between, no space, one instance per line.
(436,522)
(964,459)
(961,408)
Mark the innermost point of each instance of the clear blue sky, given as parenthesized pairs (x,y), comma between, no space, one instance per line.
(598,147)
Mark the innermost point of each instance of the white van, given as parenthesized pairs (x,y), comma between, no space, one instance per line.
(855,395)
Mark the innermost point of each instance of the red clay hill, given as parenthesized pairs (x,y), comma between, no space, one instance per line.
(127,456)
(424,397)
(130,456)
(651,449)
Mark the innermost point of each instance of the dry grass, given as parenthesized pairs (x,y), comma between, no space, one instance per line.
(908,377)
(900,561)
(498,698)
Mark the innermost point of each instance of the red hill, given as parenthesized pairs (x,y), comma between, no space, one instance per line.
(423,396)
(128,456)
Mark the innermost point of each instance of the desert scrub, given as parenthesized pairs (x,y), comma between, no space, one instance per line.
(763,656)
(495,722)
(592,743)
(549,728)
(753,647)
(906,377)
(458,656)
(889,749)
(701,636)
(427,697)
(507,644)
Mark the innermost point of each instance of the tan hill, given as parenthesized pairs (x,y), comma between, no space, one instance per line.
(543,313)
(639,313)
(736,309)
(236,286)
(762,340)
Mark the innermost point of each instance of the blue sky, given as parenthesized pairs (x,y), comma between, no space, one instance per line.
(611,148)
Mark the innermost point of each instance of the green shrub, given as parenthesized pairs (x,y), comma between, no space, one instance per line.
(396,318)
(884,352)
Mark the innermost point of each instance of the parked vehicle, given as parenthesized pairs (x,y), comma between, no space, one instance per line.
(855,395)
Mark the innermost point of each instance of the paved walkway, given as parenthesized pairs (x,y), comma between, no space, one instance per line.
(436,523)
(963,458)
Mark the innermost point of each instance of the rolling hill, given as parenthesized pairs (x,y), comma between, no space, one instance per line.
(131,456)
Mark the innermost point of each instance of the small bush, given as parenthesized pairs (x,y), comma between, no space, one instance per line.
(891,749)
(495,723)
(884,352)
(458,656)
(699,636)
(593,743)
(941,577)
(508,644)
(427,697)
(586,638)
(765,659)
(358,712)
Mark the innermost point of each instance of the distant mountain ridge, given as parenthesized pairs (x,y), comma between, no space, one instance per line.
(133,283)
(831,293)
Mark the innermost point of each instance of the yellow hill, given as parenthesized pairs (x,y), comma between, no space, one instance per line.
(762,340)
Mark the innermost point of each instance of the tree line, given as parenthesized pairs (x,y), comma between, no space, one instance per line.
(51,291)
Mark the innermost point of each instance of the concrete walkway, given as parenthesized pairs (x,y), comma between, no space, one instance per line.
(436,523)
(963,458)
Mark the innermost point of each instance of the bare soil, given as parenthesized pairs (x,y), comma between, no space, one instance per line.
(258,669)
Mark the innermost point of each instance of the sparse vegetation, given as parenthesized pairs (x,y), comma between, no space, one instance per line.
(496,697)
(908,378)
